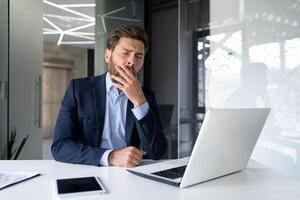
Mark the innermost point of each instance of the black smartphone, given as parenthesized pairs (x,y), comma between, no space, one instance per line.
(79,186)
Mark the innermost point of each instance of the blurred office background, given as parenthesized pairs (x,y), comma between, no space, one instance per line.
(203,53)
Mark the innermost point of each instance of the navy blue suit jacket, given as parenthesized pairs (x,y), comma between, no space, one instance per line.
(78,131)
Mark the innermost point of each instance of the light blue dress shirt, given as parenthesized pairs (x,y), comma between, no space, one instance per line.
(113,136)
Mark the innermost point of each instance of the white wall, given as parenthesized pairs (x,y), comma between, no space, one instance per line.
(265,32)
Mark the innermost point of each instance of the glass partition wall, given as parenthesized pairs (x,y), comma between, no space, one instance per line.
(191,76)
(3,77)
(243,53)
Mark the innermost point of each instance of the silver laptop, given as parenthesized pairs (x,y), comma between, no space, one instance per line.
(224,145)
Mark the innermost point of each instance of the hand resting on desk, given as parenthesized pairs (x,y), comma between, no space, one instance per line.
(126,157)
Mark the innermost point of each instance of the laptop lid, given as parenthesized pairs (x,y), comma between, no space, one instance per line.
(223,146)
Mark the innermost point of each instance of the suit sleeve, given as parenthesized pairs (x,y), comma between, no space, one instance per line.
(150,131)
(66,146)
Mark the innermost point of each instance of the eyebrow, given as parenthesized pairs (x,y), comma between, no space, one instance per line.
(138,53)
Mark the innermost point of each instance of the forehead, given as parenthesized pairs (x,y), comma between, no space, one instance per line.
(131,44)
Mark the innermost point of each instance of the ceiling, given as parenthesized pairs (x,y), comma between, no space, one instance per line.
(72,22)
(69,22)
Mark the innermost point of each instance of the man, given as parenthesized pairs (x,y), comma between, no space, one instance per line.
(109,119)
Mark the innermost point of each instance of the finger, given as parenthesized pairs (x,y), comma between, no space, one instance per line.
(119,86)
(139,152)
(118,79)
(136,156)
(128,72)
(133,160)
(131,165)
(123,73)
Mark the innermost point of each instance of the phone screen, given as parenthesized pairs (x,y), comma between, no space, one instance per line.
(74,185)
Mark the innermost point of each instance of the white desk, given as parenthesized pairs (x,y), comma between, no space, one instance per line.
(256,182)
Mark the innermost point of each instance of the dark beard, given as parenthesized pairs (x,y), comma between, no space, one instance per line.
(112,71)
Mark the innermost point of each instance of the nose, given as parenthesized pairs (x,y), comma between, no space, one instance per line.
(130,62)
(130,65)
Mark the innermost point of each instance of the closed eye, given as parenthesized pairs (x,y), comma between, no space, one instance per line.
(139,57)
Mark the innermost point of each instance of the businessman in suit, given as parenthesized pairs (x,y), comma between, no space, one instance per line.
(110,119)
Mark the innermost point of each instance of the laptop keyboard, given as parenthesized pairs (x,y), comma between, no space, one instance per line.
(172,173)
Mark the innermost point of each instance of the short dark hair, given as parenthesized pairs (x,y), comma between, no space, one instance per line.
(134,32)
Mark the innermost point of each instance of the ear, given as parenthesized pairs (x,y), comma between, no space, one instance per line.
(107,55)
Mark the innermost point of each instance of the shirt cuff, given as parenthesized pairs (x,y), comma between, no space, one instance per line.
(141,111)
(104,159)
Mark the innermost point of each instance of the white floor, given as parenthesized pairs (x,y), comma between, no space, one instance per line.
(47,149)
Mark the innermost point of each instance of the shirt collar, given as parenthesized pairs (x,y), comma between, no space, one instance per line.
(109,83)
(110,87)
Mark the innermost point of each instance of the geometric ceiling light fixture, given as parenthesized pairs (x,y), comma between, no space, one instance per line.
(84,20)
(79,20)
(107,15)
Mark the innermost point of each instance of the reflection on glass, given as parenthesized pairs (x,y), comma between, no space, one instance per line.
(234,42)
(255,62)
(292,52)
(266,53)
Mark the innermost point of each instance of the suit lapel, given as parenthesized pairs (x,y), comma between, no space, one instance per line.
(129,122)
(100,103)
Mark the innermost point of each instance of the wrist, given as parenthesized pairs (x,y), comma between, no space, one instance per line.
(104,158)
(139,102)
(111,157)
